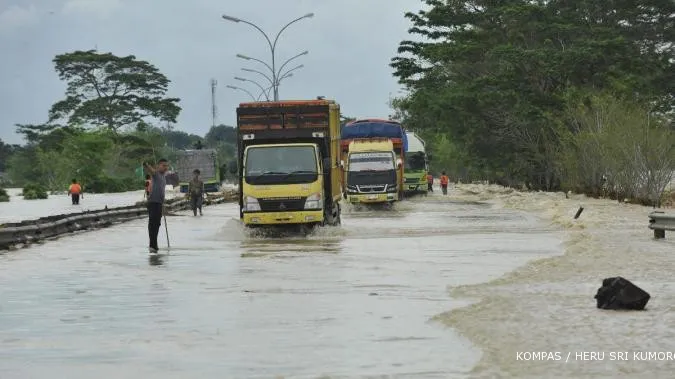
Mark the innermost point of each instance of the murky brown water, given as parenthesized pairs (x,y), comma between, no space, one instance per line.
(548,305)
(355,301)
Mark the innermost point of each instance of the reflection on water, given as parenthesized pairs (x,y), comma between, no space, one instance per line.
(156,260)
(355,300)
(287,248)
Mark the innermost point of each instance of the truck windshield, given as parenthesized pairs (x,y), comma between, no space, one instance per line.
(415,161)
(281,165)
(371,161)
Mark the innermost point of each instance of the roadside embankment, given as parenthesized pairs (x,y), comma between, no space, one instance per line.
(548,305)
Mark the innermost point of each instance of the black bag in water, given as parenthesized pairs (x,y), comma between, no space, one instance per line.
(619,293)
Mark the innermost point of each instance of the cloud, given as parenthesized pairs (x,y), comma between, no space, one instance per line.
(101,8)
(16,17)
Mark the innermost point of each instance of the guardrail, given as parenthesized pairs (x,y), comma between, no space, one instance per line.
(27,232)
(659,222)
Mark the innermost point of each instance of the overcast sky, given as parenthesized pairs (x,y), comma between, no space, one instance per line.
(350,45)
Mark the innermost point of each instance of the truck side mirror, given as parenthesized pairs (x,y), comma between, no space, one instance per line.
(326,164)
(399,163)
(429,157)
(342,163)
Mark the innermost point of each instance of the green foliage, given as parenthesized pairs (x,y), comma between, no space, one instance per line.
(220,134)
(617,149)
(105,184)
(499,80)
(104,94)
(33,191)
(6,151)
(105,90)
(4,196)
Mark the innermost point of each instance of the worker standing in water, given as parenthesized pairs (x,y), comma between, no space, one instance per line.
(196,192)
(430,182)
(444,183)
(75,192)
(156,200)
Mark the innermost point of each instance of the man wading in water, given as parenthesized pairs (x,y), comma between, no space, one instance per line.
(196,192)
(156,200)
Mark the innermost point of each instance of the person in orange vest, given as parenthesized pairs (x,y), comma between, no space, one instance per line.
(430,182)
(75,191)
(444,183)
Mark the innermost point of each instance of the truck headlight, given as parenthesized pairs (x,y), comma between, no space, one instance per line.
(314,201)
(391,188)
(251,204)
(351,189)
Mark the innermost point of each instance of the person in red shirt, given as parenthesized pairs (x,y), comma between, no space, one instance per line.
(430,182)
(444,183)
(75,191)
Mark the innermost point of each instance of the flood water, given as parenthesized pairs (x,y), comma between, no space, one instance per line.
(369,298)
(18,209)
(548,305)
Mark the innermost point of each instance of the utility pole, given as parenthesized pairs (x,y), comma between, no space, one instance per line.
(214,109)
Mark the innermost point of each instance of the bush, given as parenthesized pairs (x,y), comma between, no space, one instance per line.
(619,150)
(33,191)
(106,184)
(4,197)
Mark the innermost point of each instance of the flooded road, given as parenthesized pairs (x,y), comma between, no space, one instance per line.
(548,305)
(355,301)
(18,209)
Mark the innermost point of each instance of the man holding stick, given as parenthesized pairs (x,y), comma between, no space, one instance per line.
(156,200)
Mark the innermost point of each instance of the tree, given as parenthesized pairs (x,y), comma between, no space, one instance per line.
(219,134)
(498,77)
(6,151)
(110,91)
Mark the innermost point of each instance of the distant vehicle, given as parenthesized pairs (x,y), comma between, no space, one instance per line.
(370,171)
(206,161)
(416,166)
(288,159)
(360,187)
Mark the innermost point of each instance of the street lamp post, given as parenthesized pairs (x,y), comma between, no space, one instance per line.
(276,75)
(272,45)
(241,89)
(254,82)
(265,92)
(280,75)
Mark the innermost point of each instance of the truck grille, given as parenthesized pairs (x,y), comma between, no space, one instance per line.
(412,180)
(282,204)
(372,188)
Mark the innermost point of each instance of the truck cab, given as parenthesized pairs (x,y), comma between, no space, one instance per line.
(374,129)
(288,163)
(416,166)
(371,172)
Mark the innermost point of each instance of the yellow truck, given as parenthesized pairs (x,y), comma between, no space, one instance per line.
(371,172)
(289,163)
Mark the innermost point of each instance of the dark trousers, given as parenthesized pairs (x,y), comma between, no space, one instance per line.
(444,188)
(430,187)
(196,203)
(154,222)
(76,198)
